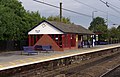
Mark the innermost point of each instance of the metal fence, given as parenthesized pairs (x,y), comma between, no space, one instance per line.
(10,45)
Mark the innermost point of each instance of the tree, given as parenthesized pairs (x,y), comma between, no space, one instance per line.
(15,21)
(57,18)
(11,12)
(113,34)
(118,29)
(98,25)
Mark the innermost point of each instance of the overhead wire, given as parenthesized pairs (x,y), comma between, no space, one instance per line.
(101,10)
(95,8)
(86,5)
(108,5)
(63,8)
(113,5)
(114,9)
(78,12)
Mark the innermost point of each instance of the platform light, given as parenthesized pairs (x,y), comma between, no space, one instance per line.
(56,38)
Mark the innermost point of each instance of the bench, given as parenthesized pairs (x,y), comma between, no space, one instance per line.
(38,47)
(29,50)
(47,48)
(43,48)
(103,42)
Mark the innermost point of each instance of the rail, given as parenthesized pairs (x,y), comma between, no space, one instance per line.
(109,71)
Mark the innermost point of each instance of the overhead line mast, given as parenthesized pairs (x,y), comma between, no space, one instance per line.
(108,5)
(95,8)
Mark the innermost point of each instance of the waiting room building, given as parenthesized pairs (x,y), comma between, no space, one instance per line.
(59,35)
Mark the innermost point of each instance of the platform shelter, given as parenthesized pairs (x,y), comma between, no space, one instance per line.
(59,35)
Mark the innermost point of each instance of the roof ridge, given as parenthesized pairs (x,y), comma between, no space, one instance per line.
(66,27)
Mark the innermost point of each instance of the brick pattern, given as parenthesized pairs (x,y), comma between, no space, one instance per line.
(47,40)
(76,41)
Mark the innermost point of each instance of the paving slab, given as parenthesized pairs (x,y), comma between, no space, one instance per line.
(15,59)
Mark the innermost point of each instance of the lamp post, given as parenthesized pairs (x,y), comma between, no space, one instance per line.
(93,14)
(93,19)
(93,36)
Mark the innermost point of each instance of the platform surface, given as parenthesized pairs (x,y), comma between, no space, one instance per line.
(15,59)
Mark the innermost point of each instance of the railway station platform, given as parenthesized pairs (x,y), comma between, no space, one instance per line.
(15,59)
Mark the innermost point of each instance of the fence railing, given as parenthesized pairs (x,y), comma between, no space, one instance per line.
(10,45)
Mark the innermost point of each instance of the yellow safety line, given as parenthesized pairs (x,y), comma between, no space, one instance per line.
(56,55)
(17,61)
(31,59)
(39,58)
(22,61)
(1,66)
(12,63)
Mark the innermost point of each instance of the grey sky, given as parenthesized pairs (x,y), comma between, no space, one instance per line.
(75,6)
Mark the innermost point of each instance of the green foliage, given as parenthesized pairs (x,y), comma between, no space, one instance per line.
(57,18)
(114,34)
(118,35)
(98,25)
(15,21)
(118,27)
(10,19)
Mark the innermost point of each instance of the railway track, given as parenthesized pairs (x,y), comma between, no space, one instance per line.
(74,70)
(114,72)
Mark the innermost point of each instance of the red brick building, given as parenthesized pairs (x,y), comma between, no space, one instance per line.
(59,35)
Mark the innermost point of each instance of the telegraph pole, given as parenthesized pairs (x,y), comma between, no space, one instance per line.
(60,11)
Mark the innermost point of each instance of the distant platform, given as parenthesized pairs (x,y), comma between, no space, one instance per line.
(15,59)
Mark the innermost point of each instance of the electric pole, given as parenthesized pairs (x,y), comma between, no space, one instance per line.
(60,11)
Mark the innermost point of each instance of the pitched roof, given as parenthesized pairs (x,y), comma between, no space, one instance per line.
(70,28)
(66,28)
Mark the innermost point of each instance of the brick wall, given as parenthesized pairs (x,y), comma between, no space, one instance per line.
(47,40)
